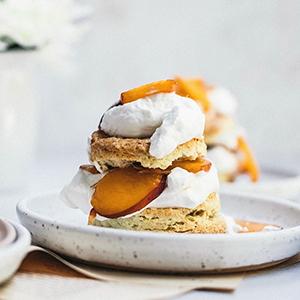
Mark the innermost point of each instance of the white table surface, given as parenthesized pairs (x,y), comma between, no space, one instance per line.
(50,174)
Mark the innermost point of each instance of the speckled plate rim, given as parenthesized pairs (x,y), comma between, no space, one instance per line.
(22,209)
(202,253)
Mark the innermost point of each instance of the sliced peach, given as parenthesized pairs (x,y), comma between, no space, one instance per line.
(162,86)
(125,191)
(249,163)
(194,89)
(193,166)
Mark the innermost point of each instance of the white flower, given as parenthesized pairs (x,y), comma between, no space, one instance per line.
(37,23)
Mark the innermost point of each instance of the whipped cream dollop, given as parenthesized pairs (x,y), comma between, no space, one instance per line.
(183,189)
(78,193)
(225,161)
(187,189)
(223,100)
(167,118)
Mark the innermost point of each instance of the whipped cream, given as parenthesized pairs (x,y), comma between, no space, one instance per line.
(78,193)
(187,189)
(223,100)
(225,161)
(167,118)
(183,189)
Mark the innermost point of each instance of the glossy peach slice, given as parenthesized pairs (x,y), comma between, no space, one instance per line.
(125,191)
(249,163)
(162,86)
(194,89)
(193,166)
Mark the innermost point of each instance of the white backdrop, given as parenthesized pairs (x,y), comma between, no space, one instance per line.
(251,47)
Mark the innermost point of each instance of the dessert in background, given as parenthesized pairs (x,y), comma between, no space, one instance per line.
(225,138)
(148,168)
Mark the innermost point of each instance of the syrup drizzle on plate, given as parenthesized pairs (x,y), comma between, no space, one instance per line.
(248,226)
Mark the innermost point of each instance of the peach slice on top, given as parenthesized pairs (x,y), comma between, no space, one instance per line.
(248,164)
(162,86)
(124,191)
(194,89)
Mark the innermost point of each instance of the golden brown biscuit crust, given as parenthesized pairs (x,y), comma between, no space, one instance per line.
(122,152)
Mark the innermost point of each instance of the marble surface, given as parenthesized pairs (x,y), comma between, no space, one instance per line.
(49,174)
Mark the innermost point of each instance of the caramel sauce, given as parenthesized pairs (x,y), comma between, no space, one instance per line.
(248,226)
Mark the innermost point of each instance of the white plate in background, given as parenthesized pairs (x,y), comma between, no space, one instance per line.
(64,230)
(273,182)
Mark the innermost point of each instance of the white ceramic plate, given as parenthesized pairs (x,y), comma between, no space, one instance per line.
(273,182)
(64,230)
(12,254)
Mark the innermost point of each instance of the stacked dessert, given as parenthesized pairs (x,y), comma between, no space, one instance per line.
(148,167)
(225,138)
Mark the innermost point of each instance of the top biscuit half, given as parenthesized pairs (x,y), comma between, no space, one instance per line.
(119,152)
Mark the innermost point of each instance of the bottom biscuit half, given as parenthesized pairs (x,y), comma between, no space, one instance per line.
(205,218)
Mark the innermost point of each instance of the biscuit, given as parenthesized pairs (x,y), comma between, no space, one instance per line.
(204,218)
(121,152)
